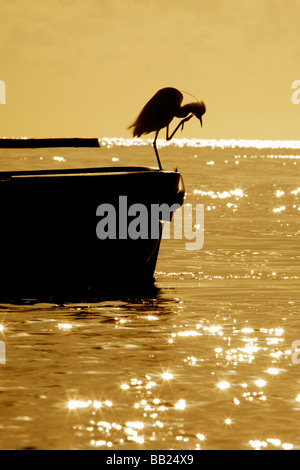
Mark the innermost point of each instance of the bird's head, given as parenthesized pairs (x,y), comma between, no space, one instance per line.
(198,109)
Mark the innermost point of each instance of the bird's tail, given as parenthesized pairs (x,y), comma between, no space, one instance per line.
(134,132)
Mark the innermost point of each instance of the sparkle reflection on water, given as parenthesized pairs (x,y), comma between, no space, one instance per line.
(206,359)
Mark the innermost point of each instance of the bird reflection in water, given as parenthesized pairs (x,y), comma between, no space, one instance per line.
(161,110)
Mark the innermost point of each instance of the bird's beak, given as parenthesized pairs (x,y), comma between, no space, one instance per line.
(201,121)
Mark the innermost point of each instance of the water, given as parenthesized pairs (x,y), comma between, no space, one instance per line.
(206,359)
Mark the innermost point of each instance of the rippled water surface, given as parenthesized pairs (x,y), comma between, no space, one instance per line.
(206,359)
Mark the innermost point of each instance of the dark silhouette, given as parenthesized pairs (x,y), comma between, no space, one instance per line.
(160,111)
(52,142)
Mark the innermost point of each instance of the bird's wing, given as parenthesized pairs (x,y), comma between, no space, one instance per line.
(158,112)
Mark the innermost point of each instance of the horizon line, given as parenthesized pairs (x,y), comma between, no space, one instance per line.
(181,142)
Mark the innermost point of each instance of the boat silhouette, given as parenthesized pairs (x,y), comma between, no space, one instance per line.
(48,234)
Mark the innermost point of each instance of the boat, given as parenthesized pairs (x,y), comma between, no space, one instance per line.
(51,222)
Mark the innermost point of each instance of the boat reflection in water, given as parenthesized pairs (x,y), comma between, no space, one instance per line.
(49,236)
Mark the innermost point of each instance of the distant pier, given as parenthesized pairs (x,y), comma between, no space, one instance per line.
(45,143)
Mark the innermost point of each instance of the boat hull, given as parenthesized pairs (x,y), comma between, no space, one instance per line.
(49,238)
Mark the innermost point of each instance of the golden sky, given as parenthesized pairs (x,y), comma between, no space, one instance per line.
(87,67)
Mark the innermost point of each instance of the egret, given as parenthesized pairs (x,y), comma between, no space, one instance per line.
(160,111)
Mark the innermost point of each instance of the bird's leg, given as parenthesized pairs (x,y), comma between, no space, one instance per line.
(156,152)
(176,129)
(185,120)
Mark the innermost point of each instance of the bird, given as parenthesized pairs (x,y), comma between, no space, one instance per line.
(160,110)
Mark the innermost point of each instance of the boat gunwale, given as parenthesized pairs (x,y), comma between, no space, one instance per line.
(81,172)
